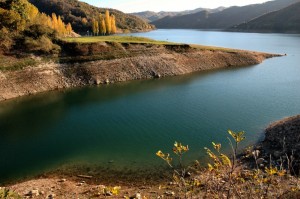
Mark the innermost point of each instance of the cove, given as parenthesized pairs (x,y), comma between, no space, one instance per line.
(123,125)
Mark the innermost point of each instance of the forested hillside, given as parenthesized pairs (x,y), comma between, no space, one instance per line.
(224,19)
(286,20)
(81,14)
(24,29)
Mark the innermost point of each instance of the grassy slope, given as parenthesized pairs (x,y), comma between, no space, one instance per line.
(140,40)
(119,39)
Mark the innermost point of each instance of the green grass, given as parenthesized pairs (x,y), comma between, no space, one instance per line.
(119,39)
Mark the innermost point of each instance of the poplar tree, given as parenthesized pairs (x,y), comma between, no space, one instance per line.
(113,24)
(97,27)
(69,29)
(94,26)
(60,26)
(107,22)
(103,26)
(54,21)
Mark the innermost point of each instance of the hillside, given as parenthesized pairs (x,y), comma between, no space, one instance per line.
(286,20)
(224,19)
(153,16)
(80,15)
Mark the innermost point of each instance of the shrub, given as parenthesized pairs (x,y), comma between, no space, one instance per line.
(6,41)
(227,177)
(41,45)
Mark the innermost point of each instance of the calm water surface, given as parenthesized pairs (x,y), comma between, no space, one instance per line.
(128,122)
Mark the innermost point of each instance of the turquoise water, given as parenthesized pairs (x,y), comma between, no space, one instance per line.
(127,123)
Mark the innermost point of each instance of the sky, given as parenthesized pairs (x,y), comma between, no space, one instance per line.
(167,5)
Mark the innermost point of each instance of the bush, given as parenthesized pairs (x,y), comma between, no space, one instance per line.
(41,45)
(35,31)
(227,177)
(6,41)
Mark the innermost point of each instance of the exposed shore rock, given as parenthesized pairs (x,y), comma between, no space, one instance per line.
(282,140)
(120,62)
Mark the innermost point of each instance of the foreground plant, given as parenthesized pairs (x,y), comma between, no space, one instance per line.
(227,177)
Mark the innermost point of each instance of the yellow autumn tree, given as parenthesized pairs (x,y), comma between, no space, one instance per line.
(32,12)
(84,21)
(113,24)
(54,21)
(107,22)
(69,29)
(94,26)
(103,26)
(61,26)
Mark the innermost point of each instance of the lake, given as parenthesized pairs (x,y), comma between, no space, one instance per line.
(123,125)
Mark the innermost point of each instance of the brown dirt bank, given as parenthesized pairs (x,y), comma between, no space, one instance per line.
(108,62)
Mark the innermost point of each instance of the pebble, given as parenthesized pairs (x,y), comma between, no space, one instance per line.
(277,154)
(136,196)
(33,192)
(62,180)
(260,161)
(169,193)
(50,196)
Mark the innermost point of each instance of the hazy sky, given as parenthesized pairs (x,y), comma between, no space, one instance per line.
(167,5)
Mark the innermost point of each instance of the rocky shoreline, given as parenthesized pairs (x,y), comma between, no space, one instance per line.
(282,143)
(282,138)
(108,62)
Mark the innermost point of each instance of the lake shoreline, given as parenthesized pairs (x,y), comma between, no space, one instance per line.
(85,185)
(119,62)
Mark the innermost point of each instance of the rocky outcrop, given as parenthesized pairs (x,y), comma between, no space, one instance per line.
(282,140)
(122,63)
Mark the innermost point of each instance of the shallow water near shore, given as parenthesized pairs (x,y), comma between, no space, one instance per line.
(121,126)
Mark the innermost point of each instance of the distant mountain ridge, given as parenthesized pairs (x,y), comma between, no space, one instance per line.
(153,16)
(224,19)
(286,20)
(75,12)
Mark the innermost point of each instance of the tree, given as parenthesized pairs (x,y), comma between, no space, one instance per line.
(11,20)
(54,21)
(84,21)
(94,27)
(103,26)
(107,22)
(97,27)
(69,29)
(113,24)
(60,26)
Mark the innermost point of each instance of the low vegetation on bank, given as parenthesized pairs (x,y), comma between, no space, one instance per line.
(118,39)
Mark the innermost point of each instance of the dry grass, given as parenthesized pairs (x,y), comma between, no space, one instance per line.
(118,39)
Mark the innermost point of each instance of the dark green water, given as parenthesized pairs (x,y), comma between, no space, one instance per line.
(128,122)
